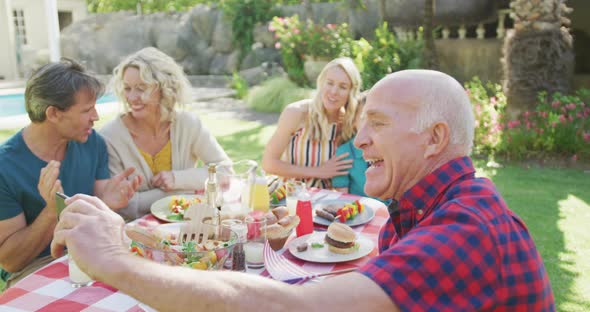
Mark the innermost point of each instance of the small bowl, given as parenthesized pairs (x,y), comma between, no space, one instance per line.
(210,256)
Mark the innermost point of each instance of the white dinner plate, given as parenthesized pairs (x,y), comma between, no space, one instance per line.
(160,207)
(323,255)
(366,216)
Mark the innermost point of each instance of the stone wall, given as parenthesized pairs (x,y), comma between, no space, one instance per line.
(464,59)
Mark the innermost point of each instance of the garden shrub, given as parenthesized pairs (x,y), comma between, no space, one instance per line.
(239,84)
(274,94)
(384,55)
(244,15)
(559,126)
(488,103)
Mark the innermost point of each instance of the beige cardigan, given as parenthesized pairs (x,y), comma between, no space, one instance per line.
(190,142)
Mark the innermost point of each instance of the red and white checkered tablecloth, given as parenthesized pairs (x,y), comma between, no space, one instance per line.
(49,289)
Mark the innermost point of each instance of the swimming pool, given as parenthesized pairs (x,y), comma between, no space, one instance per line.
(14,104)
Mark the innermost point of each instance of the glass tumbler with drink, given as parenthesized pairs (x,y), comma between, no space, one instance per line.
(256,238)
(295,190)
(260,196)
(77,277)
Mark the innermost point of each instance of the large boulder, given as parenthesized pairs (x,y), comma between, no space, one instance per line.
(222,35)
(165,33)
(260,55)
(103,40)
(224,63)
(203,20)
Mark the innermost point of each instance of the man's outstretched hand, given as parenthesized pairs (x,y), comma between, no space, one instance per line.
(92,232)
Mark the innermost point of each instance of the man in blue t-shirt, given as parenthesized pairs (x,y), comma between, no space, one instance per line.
(57,151)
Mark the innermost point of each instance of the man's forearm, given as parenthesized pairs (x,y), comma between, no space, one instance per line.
(22,247)
(172,289)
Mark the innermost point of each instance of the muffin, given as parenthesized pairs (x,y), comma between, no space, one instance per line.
(279,226)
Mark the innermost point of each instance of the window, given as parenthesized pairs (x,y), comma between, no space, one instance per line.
(19,27)
(65,19)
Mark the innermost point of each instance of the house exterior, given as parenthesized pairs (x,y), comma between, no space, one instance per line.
(26,31)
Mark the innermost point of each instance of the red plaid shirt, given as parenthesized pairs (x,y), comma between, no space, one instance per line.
(452,244)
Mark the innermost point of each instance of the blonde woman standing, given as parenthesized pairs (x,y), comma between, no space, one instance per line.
(309,131)
(162,143)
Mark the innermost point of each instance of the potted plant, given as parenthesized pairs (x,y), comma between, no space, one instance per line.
(312,45)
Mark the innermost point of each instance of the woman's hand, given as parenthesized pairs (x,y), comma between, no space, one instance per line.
(117,191)
(335,166)
(164,180)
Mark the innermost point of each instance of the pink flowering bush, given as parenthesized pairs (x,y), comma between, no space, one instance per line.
(488,108)
(560,126)
(297,39)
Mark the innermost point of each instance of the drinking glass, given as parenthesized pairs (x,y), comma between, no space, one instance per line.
(295,190)
(237,226)
(255,240)
(77,277)
(260,196)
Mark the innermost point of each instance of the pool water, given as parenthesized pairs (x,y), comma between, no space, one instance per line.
(14,104)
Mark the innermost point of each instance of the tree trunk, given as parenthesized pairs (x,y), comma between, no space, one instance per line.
(381,11)
(429,51)
(538,54)
(308,10)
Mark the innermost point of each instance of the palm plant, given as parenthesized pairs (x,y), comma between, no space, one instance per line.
(538,53)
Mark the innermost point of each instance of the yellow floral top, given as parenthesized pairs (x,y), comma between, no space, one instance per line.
(162,161)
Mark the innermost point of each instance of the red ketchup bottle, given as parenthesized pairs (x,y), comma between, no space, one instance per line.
(306,219)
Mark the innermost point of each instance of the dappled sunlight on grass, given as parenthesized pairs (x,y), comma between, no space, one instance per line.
(555,205)
(574,220)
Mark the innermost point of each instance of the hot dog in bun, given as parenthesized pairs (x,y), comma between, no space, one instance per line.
(341,238)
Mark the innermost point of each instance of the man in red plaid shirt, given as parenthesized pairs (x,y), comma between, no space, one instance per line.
(451,243)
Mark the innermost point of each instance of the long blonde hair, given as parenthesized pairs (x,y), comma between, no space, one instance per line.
(317,120)
(158,71)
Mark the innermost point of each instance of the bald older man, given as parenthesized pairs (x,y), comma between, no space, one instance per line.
(451,243)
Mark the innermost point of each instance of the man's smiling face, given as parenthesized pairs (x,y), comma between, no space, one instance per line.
(393,150)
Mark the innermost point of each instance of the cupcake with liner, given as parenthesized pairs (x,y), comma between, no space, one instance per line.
(279,225)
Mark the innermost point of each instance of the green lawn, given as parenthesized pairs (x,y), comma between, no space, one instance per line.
(554,203)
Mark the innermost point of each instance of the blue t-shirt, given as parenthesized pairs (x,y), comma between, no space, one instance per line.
(84,163)
(355,179)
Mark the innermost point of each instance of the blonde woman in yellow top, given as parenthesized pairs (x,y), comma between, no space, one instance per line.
(164,144)
(309,131)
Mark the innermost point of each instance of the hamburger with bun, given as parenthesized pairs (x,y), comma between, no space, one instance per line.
(341,238)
